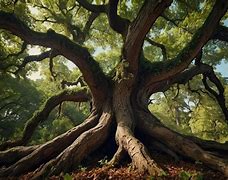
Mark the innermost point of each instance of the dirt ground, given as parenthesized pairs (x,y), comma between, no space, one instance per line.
(173,170)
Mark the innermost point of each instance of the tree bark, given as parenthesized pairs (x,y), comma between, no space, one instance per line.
(180,144)
(122,100)
(48,150)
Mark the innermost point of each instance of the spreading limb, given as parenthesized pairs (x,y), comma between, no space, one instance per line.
(40,116)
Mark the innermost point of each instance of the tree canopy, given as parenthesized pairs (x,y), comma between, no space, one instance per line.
(76,74)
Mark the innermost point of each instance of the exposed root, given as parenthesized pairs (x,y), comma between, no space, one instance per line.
(137,152)
(70,158)
(181,144)
(10,144)
(163,148)
(48,150)
(210,145)
(11,156)
(124,134)
(118,156)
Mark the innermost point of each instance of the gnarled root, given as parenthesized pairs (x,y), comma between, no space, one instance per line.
(181,144)
(48,150)
(124,134)
(118,156)
(81,147)
(220,149)
(141,159)
(11,156)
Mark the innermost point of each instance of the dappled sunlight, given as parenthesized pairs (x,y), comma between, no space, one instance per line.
(123,88)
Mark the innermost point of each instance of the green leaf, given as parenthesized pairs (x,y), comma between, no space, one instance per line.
(67,177)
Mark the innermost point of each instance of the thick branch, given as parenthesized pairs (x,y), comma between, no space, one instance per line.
(161,46)
(221,33)
(92,7)
(79,55)
(40,116)
(36,58)
(138,29)
(185,76)
(218,95)
(181,78)
(116,22)
(200,38)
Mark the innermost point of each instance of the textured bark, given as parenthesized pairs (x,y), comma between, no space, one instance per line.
(186,56)
(180,144)
(48,150)
(138,153)
(121,101)
(71,157)
(64,153)
(11,156)
(125,118)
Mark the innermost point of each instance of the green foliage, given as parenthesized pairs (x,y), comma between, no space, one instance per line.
(214,52)
(81,168)
(67,177)
(185,175)
(59,122)
(18,99)
(129,8)
(181,110)
(191,113)
(103,161)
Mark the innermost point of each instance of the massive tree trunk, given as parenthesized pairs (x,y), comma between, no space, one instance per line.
(119,102)
(66,152)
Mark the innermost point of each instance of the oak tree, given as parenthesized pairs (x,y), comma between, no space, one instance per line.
(153,46)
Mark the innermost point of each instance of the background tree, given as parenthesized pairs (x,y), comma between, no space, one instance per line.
(125,52)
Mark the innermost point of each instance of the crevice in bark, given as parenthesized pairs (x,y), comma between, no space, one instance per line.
(154,145)
(138,153)
(125,117)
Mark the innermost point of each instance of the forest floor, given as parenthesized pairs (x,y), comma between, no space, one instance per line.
(181,170)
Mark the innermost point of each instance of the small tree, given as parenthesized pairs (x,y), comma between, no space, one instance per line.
(119,94)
